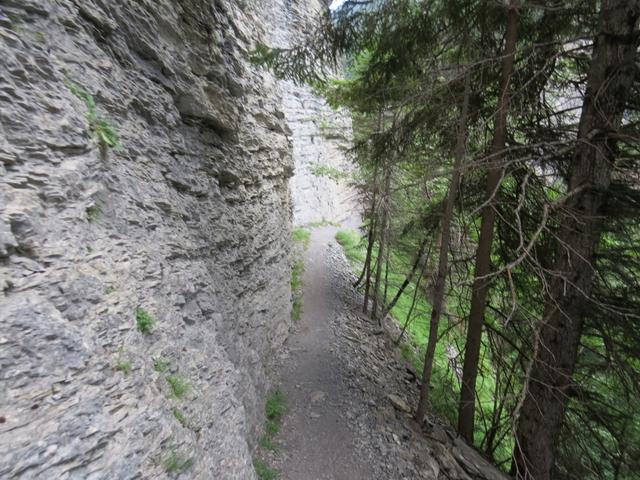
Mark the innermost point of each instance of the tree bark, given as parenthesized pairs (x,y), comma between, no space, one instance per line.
(383,234)
(609,84)
(466,410)
(372,228)
(443,256)
(407,280)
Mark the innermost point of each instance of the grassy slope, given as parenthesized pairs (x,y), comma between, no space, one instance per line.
(445,391)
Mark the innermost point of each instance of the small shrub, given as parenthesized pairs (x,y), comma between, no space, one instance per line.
(177,463)
(160,365)
(93,212)
(302,235)
(144,321)
(179,386)
(263,471)
(180,417)
(124,366)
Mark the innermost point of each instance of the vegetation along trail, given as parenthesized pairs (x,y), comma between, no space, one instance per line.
(348,391)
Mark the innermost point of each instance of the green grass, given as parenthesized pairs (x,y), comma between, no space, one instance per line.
(180,417)
(176,462)
(124,367)
(321,223)
(302,236)
(179,386)
(266,442)
(263,471)
(160,365)
(93,212)
(276,406)
(144,320)
(296,289)
(104,132)
(334,174)
(274,409)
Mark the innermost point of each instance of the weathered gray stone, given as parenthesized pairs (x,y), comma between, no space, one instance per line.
(190,219)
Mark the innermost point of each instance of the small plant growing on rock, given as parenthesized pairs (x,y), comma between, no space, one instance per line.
(93,212)
(177,463)
(179,386)
(160,364)
(104,132)
(124,366)
(180,417)
(144,321)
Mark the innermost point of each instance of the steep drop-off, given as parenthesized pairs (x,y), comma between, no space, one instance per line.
(188,219)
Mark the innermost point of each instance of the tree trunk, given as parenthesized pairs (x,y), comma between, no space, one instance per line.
(372,228)
(443,258)
(546,390)
(383,231)
(466,410)
(407,280)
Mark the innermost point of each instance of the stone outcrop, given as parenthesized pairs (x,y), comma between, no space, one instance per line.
(321,187)
(186,220)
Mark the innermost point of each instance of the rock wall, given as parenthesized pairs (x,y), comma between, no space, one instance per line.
(187,219)
(321,186)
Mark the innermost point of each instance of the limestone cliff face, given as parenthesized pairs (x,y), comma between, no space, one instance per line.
(320,136)
(188,219)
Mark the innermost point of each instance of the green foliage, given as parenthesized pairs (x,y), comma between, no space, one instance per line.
(296,289)
(176,463)
(302,235)
(352,243)
(160,365)
(105,133)
(179,385)
(266,442)
(144,320)
(326,171)
(445,389)
(276,406)
(180,417)
(124,366)
(93,212)
(321,223)
(263,471)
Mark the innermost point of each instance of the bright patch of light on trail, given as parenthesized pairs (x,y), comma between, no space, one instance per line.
(336,4)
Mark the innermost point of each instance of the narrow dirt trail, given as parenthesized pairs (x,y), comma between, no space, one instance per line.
(350,392)
(317,442)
